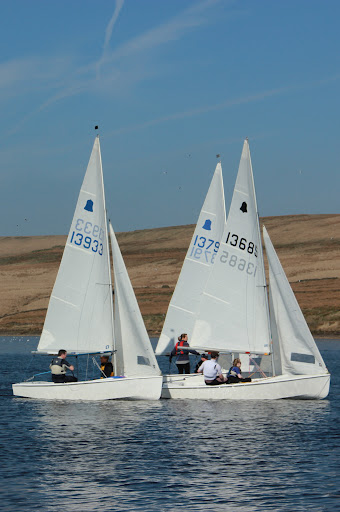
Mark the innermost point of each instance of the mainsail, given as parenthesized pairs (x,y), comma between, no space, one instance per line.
(299,354)
(196,268)
(79,315)
(134,356)
(233,312)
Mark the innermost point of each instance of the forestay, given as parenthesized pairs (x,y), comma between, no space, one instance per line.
(233,313)
(299,354)
(79,315)
(134,356)
(196,268)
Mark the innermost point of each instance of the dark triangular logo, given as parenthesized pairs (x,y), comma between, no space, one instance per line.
(244,207)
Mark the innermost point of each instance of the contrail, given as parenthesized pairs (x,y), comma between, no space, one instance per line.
(108,32)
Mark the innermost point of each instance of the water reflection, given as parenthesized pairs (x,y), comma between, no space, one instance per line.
(158,455)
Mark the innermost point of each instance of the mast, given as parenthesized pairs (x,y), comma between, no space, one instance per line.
(262,262)
(108,261)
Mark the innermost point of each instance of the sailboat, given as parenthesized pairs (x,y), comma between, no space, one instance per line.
(80,316)
(234,316)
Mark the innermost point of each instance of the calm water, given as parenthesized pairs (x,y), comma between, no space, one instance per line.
(166,455)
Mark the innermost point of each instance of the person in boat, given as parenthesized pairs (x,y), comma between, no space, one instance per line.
(106,367)
(212,371)
(204,357)
(181,350)
(58,367)
(235,375)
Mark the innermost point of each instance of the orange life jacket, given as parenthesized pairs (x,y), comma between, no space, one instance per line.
(180,344)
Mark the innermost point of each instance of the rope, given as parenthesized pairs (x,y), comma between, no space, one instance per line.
(31,378)
(258,368)
(99,368)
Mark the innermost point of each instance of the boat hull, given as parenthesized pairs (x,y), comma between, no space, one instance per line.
(192,387)
(128,388)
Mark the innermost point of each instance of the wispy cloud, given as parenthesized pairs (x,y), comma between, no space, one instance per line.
(250,98)
(173,29)
(112,64)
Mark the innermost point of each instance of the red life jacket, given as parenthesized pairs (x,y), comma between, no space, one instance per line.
(181,344)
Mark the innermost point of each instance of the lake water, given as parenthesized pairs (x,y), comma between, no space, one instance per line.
(166,455)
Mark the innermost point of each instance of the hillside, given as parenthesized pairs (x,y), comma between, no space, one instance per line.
(308,247)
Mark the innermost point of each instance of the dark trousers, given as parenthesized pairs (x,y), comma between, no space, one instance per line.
(214,382)
(236,380)
(61,379)
(183,368)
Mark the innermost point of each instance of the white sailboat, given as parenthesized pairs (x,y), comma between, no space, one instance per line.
(200,257)
(80,317)
(233,314)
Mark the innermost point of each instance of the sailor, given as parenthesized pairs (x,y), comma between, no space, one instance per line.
(212,371)
(234,375)
(182,350)
(58,367)
(204,357)
(106,367)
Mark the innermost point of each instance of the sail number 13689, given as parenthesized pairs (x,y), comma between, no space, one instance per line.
(236,241)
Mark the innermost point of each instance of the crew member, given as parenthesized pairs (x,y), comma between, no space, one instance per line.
(182,350)
(234,375)
(58,367)
(212,371)
(204,357)
(106,367)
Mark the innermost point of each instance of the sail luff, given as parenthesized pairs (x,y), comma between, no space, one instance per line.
(108,254)
(260,244)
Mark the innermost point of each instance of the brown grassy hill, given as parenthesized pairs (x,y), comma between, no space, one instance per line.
(308,247)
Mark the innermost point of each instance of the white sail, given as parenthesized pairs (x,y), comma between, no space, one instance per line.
(196,268)
(134,356)
(79,315)
(298,351)
(233,312)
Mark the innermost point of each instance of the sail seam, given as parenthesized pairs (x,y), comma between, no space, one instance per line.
(65,301)
(214,297)
(209,213)
(199,262)
(182,309)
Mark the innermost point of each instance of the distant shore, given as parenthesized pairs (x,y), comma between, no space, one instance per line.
(308,247)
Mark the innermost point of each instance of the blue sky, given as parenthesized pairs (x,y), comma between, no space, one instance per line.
(171,83)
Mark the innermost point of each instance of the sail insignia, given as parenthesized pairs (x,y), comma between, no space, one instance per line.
(89,205)
(207,225)
(244,207)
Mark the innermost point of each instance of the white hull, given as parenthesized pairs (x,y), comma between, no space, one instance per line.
(193,387)
(129,388)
